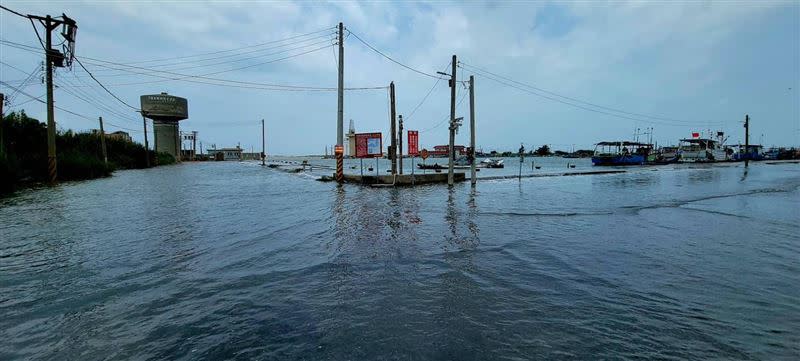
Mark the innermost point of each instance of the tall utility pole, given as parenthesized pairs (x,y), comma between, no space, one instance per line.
(103,142)
(52,168)
(263,145)
(451,144)
(52,58)
(472,129)
(392,130)
(340,112)
(146,146)
(400,140)
(746,140)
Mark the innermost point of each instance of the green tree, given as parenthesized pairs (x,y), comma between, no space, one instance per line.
(543,151)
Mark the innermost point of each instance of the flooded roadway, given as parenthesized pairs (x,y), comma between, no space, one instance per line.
(231,260)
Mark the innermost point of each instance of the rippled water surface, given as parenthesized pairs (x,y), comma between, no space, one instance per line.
(231,260)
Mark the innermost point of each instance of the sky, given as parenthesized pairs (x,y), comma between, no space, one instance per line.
(567,74)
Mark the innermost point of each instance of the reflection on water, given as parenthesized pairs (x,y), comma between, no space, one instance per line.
(231,260)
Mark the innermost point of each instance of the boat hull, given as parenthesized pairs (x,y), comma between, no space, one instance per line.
(703,156)
(618,160)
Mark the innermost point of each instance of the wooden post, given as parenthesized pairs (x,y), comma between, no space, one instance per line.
(451,144)
(400,140)
(472,128)
(52,168)
(103,142)
(194,145)
(392,130)
(747,140)
(263,145)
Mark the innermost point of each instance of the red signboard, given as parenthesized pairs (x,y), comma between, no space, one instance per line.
(369,145)
(413,142)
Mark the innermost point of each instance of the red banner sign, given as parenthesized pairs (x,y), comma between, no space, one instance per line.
(413,142)
(369,145)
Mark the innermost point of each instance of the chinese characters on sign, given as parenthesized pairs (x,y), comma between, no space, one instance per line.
(369,145)
(413,142)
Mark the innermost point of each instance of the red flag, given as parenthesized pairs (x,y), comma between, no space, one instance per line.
(695,135)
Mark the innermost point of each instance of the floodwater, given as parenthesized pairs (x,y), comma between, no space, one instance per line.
(230,260)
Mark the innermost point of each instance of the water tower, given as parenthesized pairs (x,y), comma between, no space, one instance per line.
(166,111)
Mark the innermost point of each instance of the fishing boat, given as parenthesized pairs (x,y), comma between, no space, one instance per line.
(492,163)
(749,152)
(702,150)
(618,153)
(666,155)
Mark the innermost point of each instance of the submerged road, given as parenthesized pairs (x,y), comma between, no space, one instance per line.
(227,260)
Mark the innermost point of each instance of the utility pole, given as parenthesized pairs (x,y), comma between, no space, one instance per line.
(146,146)
(472,128)
(263,145)
(400,140)
(392,131)
(52,168)
(52,58)
(451,144)
(194,145)
(103,142)
(746,140)
(340,112)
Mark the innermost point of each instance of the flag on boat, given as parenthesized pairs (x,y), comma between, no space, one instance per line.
(695,135)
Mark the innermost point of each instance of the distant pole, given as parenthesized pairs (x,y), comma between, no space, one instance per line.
(103,142)
(521,160)
(472,128)
(451,144)
(400,140)
(746,140)
(263,145)
(51,121)
(146,146)
(194,145)
(340,111)
(392,130)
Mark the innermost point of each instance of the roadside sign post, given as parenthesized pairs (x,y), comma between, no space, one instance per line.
(369,145)
(424,154)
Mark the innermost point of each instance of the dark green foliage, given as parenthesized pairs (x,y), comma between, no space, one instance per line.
(79,154)
(543,151)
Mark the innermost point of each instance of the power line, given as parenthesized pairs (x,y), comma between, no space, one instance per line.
(184,77)
(234,49)
(446,118)
(154,69)
(575,105)
(13,12)
(103,86)
(474,68)
(390,58)
(65,110)
(238,84)
(94,102)
(428,94)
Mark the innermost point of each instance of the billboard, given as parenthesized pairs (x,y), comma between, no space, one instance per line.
(164,107)
(413,142)
(369,145)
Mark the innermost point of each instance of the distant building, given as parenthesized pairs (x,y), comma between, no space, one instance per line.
(225,153)
(119,135)
(441,150)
